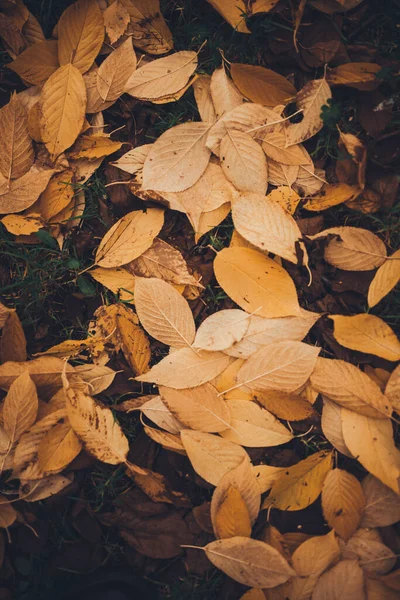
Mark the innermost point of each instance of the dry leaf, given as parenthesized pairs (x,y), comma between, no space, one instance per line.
(62,108)
(20,407)
(371,442)
(361,76)
(261,85)
(132,162)
(366,546)
(35,490)
(253,426)
(23,225)
(98,377)
(166,440)
(392,389)
(256,283)
(224,94)
(57,195)
(232,517)
(115,71)
(248,561)
(58,448)
(129,237)
(332,195)
(80,34)
(8,514)
(163,312)
(345,581)
(280,174)
(382,506)
(289,407)
(133,341)
(286,198)
(147,26)
(210,455)
(23,192)
(118,280)
(202,94)
(198,408)
(221,330)
(342,502)
(37,63)
(331,424)
(156,411)
(116,20)
(376,590)
(177,159)
(185,368)
(315,555)
(349,387)
(232,13)
(300,485)
(273,142)
(227,381)
(13,342)
(385,279)
(244,162)
(17,155)
(93,147)
(45,372)
(310,99)
(366,333)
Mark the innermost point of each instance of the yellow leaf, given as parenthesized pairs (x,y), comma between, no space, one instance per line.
(118,280)
(253,594)
(228,380)
(37,63)
(210,219)
(232,517)
(224,94)
(116,20)
(310,99)
(342,502)
(115,71)
(202,94)
(385,279)
(57,195)
(261,6)
(256,282)
(286,198)
(147,26)
(361,76)
(366,333)
(232,12)
(244,162)
(20,407)
(261,85)
(129,237)
(80,34)
(13,342)
(58,448)
(134,343)
(91,147)
(331,424)
(300,485)
(62,106)
(23,192)
(283,405)
(332,195)
(16,150)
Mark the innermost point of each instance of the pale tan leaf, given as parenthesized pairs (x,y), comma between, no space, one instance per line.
(224,94)
(273,142)
(98,377)
(266,225)
(290,407)
(342,502)
(134,343)
(167,440)
(280,174)
(57,195)
(116,20)
(244,162)
(163,312)
(177,159)
(300,485)
(250,562)
(371,442)
(233,13)
(354,249)
(129,237)
(211,219)
(163,76)
(62,108)
(261,6)
(316,554)
(199,408)
(283,366)
(366,333)
(37,63)
(115,71)
(309,180)
(96,426)
(221,330)
(16,155)
(202,94)
(35,490)
(8,514)
(210,455)
(20,407)
(345,581)
(185,368)
(382,505)
(95,102)
(256,283)
(266,476)
(243,479)
(132,162)
(331,424)
(349,387)
(93,147)
(385,279)
(392,389)
(80,34)
(373,555)
(156,411)
(253,426)
(262,331)
(147,26)
(13,341)
(359,75)
(262,85)
(118,280)
(58,448)
(23,192)
(44,371)
(227,381)
(232,517)
(310,99)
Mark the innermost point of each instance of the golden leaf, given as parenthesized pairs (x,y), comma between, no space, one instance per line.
(20,407)
(58,448)
(37,63)
(232,13)
(232,517)
(342,502)
(115,71)
(57,195)
(359,75)
(13,342)
(385,279)
(118,280)
(261,85)
(244,162)
(134,343)
(16,152)
(23,192)
(332,195)
(310,99)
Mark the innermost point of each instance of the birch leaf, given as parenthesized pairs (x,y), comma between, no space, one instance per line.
(359,75)
(371,441)
(221,330)
(20,407)
(80,34)
(116,20)
(149,30)
(129,237)
(249,561)
(44,371)
(256,282)
(210,455)
(35,490)
(284,366)
(332,195)
(98,377)
(273,142)
(289,407)
(345,581)
(17,155)
(374,557)
(37,63)
(232,517)
(62,108)
(382,506)
(349,387)
(163,312)
(385,279)
(198,408)
(167,440)
(266,225)
(202,94)
(300,485)
(177,159)
(58,448)
(244,162)
(342,502)
(366,333)
(310,99)
(115,71)
(262,85)
(331,424)
(8,514)
(185,368)
(93,147)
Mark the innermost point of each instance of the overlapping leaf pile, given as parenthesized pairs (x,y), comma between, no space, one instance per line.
(244,378)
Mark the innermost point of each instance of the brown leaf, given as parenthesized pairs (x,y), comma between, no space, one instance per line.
(20,407)
(13,342)
(23,192)
(147,26)
(16,156)
(8,514)
(116,20)
(35,490)
(310,99)
(45,372)
(115,71)
(361,76)
(134,343)
(342,502)
(261,85)
(382,506)
(37,63)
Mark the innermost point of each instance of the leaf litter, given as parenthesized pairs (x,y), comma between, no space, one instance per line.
(243,376)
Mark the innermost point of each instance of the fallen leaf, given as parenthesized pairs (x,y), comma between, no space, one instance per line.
(286,198)
(261,6)
(366,333)
(20,407)
(93,146)
(129,237)
(232,517)
(316,554)
(385,279)
(98,377)
(221,330)
(345,581)
(232,13)
(44,371)
(163,312)
(116,20)
(58,448)
(332,195)
(376,590)
(256,282)
(261,85)
(167,440)
(310,99)
(17,155)
(374,557)
(382,506)
(244,162)
(133,341)
(118,280)
(115,71)
(331,424)
(361,76)
(228,380)
(13,341)
(155,410)
(132,162)
(37,63)
(392,389)
(299,486)
(8,514)
(283,405)
(23,192)
(273,142)
(224,94)
(57,195)
(147,26)
(253,594)
(202,94)
(280,174)
(80,34)
(35,490)
(342,502)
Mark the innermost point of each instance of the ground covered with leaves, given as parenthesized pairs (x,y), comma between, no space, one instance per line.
(200,248)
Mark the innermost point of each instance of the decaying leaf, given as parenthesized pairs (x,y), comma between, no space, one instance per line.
(116,20)
(20,407)
(149,30)
(310,100)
